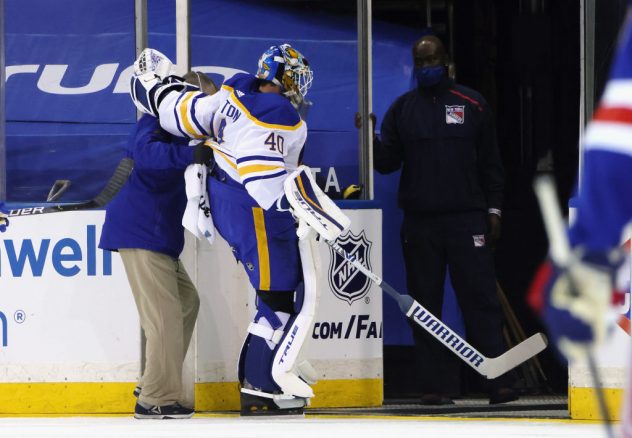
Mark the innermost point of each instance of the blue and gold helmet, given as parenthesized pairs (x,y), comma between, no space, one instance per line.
(286,67)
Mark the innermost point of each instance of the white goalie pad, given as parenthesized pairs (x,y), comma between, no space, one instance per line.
(287,365)
(311,205)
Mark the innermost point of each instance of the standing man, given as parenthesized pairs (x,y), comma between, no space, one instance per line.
(451,188)
(257,134)
(143,223)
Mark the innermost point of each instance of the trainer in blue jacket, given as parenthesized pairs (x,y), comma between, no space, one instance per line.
(143,223)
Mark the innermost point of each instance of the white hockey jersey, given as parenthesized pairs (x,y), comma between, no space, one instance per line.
(257,138)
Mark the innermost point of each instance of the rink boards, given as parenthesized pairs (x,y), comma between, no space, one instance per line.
(70,337)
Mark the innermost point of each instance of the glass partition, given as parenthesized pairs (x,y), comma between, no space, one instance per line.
(68,112)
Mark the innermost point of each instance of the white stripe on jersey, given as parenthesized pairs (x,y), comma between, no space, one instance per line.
(618,93)
(609,136)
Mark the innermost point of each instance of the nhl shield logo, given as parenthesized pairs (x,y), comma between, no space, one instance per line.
(347,283)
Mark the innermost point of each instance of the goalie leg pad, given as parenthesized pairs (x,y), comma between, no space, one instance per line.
(269,361)
(274,310)
(285,369)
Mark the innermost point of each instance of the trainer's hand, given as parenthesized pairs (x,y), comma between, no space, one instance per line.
(203,154)
(574,304)
(4,222)
(493,221)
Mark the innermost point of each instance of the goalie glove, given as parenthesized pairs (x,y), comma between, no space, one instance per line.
(152,80)
(153,61)
(575,303)
(311,206)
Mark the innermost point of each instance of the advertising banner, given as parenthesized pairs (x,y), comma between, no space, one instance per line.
(67,317)
(67,311)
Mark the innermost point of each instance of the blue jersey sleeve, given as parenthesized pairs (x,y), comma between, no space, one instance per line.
(603,206)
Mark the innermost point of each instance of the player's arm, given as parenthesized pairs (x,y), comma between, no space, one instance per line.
(189,113)
(387,150)
(603,209)
(575,300)
(183,109)
(489,163)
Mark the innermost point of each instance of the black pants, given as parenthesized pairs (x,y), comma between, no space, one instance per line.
(431,243)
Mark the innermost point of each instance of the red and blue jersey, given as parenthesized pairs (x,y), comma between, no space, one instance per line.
(604,206)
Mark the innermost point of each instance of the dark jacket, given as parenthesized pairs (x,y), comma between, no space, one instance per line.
(147,212)
(445,139)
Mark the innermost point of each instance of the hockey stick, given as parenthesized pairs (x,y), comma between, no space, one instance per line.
(113,186)
(58,189)
(560,250)
(488,367)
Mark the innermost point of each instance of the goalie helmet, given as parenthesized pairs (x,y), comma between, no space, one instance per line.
(286,67)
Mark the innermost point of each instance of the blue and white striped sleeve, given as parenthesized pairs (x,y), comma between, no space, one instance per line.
(189,114)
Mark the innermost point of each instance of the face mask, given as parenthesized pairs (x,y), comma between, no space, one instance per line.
(428,76)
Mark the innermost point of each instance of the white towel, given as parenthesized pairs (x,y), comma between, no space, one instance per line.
(197,216)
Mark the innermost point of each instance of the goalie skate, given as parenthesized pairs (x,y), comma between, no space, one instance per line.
(258,404)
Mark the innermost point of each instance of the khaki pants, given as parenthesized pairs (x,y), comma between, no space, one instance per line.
(168,304)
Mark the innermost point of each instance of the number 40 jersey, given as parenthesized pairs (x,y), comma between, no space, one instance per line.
(257,137)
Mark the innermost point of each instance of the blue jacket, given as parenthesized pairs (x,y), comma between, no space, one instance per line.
(147,212)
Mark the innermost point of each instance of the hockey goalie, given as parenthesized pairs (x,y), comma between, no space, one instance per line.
(258,191)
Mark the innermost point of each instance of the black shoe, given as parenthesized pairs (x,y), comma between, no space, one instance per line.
(436,400)
(137,391)
(253,405)
(166,412)
(503,395)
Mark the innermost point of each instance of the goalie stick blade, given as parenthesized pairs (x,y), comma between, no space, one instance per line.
(488,367)
(510,359)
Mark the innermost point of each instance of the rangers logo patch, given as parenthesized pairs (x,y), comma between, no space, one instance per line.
(455,114)
(479,240)
(347,283)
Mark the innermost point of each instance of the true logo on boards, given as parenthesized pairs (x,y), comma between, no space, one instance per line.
(50,77)
(67,257)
